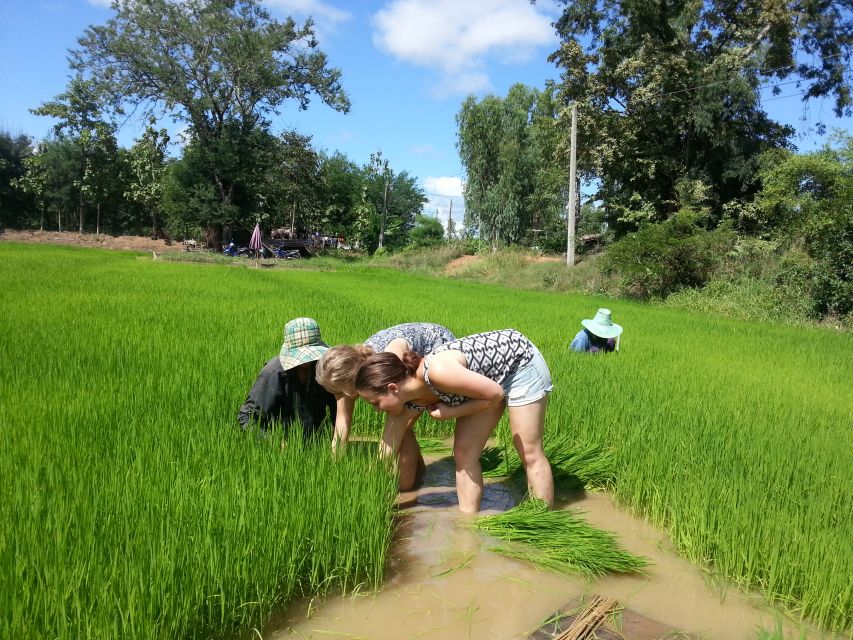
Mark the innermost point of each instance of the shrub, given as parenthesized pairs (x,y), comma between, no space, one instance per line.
(662,258)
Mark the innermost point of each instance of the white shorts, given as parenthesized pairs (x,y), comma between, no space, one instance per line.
(530,383)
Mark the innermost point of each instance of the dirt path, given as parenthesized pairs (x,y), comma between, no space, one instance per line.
(101,241)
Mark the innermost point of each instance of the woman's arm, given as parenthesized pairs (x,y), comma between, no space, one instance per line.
(343,422)
(395,429)
(448,373)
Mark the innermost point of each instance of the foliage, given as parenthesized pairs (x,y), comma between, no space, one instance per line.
(557,540)
(81,121)
(147,166)
(507,148)
(671,91)
(221,66)
(427,232)
(662,258)
(15,204)
(809,199)
(51,174)
(163,518)
(691,409)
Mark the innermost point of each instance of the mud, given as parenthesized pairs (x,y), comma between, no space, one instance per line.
(443,582)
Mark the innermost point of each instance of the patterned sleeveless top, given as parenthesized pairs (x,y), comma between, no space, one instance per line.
(422,337)
(494,354)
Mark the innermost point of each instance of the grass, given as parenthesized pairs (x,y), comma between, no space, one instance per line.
(557,540)
(122,375)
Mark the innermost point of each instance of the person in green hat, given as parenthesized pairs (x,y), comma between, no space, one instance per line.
(285,391)
(599,335)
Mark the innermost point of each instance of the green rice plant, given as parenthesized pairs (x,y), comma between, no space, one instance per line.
(121,377)
(132,505)
(434,446)
(557,540)
(574,465)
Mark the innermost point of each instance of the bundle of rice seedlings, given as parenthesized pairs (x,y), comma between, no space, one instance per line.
(558,541)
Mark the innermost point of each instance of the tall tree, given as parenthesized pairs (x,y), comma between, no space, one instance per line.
(15,204)
(221,66)
(507,147)
(670,90)
(80,118)
(147,167)
(51,173)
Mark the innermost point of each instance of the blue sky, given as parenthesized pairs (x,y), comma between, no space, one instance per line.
(406,65)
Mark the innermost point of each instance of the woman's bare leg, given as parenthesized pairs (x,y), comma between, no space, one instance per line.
(472,432)
(527,424)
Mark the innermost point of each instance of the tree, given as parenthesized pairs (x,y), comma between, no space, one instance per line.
(294,183)
(147,168)
(427,232)
(808,200)
(50,178)
(342,191)
(507,146)
(80,120)
(15,204)
(670,91)
(221,66)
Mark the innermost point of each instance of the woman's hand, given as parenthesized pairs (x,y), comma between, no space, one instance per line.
(440,411)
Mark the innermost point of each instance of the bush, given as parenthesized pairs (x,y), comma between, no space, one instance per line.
(660,259)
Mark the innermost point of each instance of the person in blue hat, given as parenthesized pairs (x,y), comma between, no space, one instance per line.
(285,392)
(599,335)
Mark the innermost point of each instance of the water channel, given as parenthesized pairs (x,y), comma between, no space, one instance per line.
(444,584)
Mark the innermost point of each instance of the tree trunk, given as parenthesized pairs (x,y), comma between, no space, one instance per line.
(81,213)
(98,220)
(59,219)
(213,237)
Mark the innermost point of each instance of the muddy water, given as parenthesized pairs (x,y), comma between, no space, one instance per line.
(444,584)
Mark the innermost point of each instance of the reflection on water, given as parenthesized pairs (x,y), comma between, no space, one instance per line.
(443,584)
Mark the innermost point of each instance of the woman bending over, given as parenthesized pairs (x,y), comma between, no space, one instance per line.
(337,369)
(471,379)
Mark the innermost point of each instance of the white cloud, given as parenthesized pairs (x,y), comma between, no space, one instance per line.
(442,191)
(444,185)
(326,16)
(456,37)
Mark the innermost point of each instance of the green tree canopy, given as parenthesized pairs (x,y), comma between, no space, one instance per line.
(221,66)
(670,90)
(507,146)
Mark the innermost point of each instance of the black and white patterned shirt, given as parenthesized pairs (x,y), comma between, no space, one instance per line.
(422,337)
(494,354)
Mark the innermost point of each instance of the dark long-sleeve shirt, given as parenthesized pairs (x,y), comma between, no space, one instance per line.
(277,396)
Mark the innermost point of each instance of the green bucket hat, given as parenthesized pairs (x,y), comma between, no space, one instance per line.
(302,343)
(602,325)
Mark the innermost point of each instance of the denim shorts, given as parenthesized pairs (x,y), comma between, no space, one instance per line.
(530,383)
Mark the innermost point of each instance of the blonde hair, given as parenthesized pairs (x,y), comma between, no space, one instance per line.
(337,369)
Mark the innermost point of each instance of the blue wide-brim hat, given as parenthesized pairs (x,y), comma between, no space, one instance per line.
(302,343)
(602,325)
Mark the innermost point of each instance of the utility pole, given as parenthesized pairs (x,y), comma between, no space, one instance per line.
(570,214)
(450,222)
(384,209)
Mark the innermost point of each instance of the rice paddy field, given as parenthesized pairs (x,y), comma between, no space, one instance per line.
(132,505)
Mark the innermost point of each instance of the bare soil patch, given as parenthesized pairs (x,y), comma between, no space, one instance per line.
(460,262)
(100,241)
(463,261)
